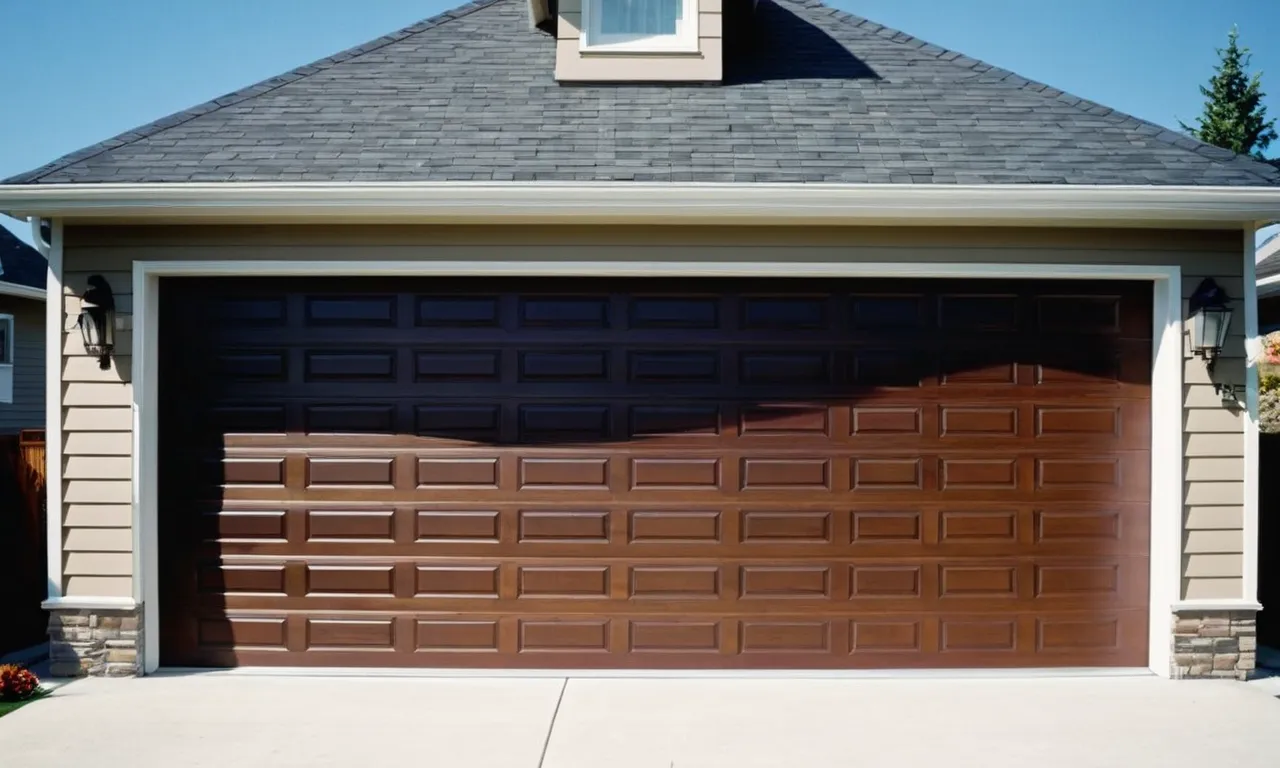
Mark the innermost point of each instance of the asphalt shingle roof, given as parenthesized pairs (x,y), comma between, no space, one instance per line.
(817,95)
(21,264)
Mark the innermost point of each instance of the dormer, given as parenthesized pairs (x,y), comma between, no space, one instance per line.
(635,40)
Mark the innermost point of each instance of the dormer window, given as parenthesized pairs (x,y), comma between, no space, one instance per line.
(640,26)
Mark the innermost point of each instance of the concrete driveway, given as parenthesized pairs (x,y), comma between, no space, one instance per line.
(222,720)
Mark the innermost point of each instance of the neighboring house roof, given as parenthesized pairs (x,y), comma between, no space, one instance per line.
(21,266)
(817,95)
(1269,258)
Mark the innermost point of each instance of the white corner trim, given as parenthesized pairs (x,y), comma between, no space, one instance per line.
(89,604)
(1165,557)
(53,325)
(1191,606)
(668,203)
(1251,425)
(21,291)
(1166,389)
(146,430)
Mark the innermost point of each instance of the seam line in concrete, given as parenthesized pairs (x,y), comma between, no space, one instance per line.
(546,743)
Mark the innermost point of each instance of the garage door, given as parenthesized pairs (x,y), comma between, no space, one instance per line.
(583,474)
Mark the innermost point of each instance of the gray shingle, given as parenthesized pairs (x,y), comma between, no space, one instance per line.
(816,95)
(21,264)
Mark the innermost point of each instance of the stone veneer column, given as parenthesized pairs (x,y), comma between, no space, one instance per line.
(1214,644)
(98,642)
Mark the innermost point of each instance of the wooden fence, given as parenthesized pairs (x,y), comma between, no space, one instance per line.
(22,540)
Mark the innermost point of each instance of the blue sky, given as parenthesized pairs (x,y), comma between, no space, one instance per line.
(74,72)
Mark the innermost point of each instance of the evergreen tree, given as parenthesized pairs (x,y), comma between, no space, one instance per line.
(1234,117)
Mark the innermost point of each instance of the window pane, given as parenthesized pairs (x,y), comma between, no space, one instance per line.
(4,342)
(640,17)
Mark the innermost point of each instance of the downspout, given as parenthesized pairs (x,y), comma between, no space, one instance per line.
(37,236)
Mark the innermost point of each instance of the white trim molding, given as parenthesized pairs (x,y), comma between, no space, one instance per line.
(668,203)
(1251,422)
(53,327)
(8,346)
(1166,390)
(683,40)
(1198,606)
(89,604)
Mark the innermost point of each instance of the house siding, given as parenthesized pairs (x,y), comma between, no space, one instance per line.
(96,410)
(575,65)
(27,409)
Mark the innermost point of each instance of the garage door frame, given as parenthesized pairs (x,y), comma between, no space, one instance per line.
(1166,383)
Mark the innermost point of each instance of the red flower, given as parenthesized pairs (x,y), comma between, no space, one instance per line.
(17,683)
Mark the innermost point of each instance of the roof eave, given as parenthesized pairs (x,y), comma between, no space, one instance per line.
(602,202)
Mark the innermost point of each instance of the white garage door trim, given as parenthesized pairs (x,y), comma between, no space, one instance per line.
(1166,386)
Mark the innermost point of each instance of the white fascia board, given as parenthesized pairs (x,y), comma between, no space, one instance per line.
(667,203)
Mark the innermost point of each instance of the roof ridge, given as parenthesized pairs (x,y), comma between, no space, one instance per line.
(243,94)
(1261,168)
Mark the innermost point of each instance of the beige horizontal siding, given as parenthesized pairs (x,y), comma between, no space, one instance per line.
(97,468)
(1213,542)
(1234,286)
(99,586)
(85,419)
(1206,493)
(84,540)
(124,305)
(709,25)
(98,492)
(87,369)
(1212,566)
(97,418)
(1219,419)
(97,564)
(1214,447)
(98,516)
(81,393)
(1205,396)
(1214,469)
(73,345)
(98,444)
(1229,518)
(1214,444)
(1228,370)
(1213,589)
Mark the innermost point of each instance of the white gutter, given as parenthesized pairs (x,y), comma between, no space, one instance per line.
(37,237)
(603,202)
(22,291)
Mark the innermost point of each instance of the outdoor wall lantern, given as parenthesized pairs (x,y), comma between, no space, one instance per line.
(97,321)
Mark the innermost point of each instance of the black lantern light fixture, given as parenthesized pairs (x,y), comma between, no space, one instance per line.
(97,321)
(1210,321)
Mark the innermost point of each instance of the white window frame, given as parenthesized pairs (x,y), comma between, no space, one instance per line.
(6,362)
(594,41)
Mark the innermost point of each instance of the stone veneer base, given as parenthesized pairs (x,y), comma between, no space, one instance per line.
(96,642)
(108,643)
(1215,644)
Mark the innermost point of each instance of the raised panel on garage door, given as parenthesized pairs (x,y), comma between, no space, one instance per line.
(654,474)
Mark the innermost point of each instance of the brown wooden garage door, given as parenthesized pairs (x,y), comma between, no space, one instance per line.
(645,474)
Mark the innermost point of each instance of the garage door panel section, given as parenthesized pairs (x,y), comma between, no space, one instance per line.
(655,474)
